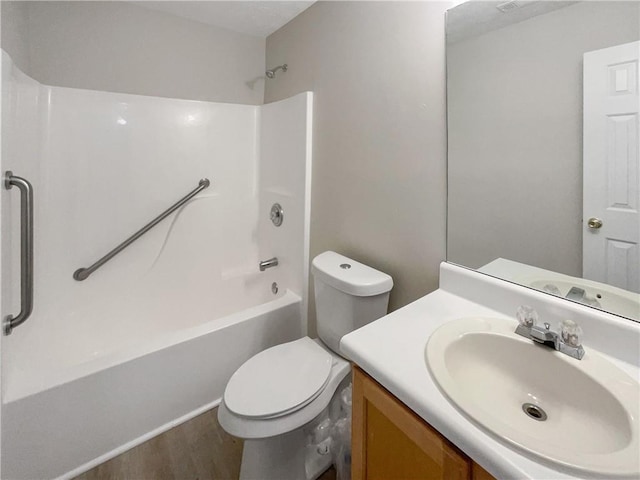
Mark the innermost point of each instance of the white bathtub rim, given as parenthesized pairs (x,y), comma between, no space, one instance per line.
(19,390)
(138,441)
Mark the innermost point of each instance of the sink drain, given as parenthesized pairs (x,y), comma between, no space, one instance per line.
(534,412)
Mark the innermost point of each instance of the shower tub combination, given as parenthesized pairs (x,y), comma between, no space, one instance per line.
(150,339)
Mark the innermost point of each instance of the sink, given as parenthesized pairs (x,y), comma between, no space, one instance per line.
(578,414)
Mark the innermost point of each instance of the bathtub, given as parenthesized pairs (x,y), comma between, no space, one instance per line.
(59,422)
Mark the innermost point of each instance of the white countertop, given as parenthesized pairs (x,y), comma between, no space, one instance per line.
(391,350)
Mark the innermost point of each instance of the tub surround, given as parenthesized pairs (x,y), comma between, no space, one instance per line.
(392,349)
(107,164)
(150,339)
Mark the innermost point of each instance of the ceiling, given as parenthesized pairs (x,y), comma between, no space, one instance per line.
(259,19)
(474,18)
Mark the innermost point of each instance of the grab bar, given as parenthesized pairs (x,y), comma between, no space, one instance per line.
(83,273)
(26,251)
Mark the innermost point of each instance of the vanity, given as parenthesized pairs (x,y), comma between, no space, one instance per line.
(407,424)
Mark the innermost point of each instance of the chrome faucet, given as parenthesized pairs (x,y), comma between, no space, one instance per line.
(272,262)
(540,335)
(567,341)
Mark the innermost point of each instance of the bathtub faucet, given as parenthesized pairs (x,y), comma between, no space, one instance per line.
(272,262)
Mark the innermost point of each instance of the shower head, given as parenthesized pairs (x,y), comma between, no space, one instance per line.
(272,72)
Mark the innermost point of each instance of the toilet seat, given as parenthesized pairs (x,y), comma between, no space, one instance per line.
(258,428)
(261,387)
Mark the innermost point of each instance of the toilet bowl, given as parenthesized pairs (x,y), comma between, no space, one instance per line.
(278,400)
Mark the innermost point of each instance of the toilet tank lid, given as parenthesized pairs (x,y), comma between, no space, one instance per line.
(349,276)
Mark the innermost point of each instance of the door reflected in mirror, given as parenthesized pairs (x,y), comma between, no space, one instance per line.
(544,184)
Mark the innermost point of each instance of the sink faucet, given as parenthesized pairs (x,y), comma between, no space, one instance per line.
(540,335)
(567,341)
(272,262)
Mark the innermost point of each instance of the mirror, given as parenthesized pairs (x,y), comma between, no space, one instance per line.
(543,178)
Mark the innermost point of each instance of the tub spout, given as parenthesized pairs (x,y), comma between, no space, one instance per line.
(272,262)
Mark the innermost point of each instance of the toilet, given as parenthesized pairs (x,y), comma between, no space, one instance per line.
(278,401)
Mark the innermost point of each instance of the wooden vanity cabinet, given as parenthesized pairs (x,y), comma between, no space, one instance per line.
(389,441)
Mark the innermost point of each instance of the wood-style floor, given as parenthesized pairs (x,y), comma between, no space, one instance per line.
(196,450)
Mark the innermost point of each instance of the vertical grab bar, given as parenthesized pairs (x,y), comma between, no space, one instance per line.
(26,251)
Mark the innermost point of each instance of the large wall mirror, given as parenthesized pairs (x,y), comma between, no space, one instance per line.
(544,183)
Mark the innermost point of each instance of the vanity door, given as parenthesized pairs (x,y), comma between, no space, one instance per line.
(389,441)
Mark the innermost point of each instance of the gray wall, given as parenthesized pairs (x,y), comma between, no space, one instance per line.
(14,39)
(515,135)
(379,160)
(119,47)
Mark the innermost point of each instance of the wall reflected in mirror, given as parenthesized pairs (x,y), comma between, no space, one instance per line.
(543,147)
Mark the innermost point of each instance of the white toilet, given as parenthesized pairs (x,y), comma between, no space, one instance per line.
(278,400)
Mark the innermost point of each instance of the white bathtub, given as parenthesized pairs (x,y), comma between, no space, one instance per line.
(93,410)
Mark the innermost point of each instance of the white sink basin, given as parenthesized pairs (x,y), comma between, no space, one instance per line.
(592,407)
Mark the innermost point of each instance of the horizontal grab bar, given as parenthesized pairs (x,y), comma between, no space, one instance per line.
(26,251)
(83,273)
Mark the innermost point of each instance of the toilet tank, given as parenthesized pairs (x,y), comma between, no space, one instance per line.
(348,295)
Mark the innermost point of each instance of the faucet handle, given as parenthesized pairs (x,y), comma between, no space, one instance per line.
(527,316)
(570,332)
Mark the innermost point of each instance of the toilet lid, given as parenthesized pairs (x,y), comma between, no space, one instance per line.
(279,380)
